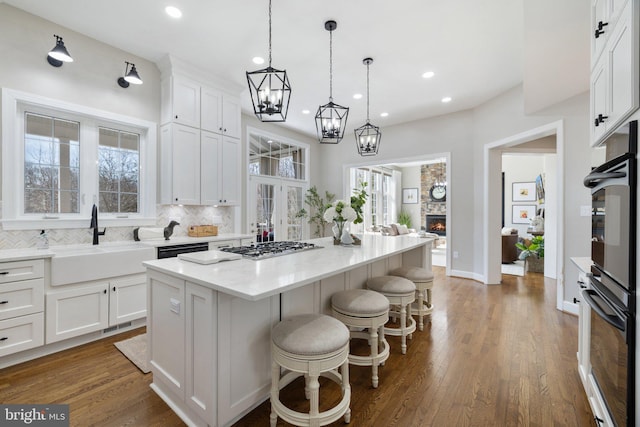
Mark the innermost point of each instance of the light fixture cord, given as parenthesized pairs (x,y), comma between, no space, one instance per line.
(269,33)
(331,65)
(367,92)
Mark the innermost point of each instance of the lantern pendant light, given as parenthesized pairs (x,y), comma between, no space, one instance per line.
(270,90)
(368,136)
(331,118)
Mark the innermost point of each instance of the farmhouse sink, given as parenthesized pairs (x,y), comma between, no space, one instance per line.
(84,263)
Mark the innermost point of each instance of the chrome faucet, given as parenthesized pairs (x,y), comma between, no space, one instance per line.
(94,225)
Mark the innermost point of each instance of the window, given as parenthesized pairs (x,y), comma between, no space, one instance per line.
(51,165)
(58,159)
(380,206)
(118,171)
(270,156)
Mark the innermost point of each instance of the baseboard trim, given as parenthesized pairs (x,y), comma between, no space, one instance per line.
(570,307)
(467,275)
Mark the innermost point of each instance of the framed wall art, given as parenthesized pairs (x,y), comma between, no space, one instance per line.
(524,192)
(523,214)
(409,196)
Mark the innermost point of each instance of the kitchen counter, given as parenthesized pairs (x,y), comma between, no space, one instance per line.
(7,255)
(209,326)
(583,263)
(254,280)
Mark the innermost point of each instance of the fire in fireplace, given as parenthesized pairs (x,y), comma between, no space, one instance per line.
(437,224)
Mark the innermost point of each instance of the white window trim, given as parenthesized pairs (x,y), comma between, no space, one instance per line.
(13,105)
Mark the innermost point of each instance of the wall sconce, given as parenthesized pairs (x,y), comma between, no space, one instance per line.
(59,53)
(130,76)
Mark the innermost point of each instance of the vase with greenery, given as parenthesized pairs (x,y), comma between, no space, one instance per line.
(317,206)
(358,199)
(532,252)
(404,218)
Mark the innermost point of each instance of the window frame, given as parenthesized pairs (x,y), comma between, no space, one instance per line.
(14,106)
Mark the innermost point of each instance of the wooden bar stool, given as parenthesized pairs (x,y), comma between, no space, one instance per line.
(423,279)
(312,345)
(362,308)
(401,293)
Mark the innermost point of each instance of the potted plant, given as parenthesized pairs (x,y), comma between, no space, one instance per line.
(404,218)
(317,205)
(532,252)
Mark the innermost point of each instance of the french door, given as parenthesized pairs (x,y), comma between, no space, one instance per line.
(274,204)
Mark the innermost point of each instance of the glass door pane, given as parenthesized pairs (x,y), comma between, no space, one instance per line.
(294,203)
(263,206)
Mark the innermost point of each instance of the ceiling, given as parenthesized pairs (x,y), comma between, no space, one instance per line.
(473,47)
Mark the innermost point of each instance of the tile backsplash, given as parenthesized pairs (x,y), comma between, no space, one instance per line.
(185,215)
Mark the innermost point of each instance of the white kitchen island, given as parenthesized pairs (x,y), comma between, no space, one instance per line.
(209,326)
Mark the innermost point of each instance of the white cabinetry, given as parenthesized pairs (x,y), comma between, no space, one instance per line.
(584,328)
(180,164)
(92,307)
(220,172)
(21,305)
(614,76)
(200,144)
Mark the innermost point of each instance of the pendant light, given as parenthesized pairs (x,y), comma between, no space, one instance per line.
(59,53)
(270,90)
(331,118)
(131,76)
(368,136)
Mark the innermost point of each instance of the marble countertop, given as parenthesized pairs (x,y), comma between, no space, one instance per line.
(254,280)
(583,263)
(7,255)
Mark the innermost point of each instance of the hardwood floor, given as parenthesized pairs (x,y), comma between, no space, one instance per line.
(491,356)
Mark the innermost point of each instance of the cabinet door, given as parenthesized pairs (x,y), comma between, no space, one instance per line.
(186,165)
(211,112)
(186,101)
(599,19)
(210,173)
(127,299)
(230,171)
(21,270)
(598,101)
(623,92)
(231,116)
(201,360)
(166,322)
(76,312)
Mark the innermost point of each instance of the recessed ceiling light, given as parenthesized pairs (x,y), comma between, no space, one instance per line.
(384,114)
(173,12)
(357,96)
(446,99)
(258,60)
(428,74)
(305,111)
(269,141)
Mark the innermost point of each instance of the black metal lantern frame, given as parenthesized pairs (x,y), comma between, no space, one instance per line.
(270,90)
(368,136)
(331,118)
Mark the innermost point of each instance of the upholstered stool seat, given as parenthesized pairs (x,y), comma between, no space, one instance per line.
(423,279)
(401,293)
(364,309)
(310,345)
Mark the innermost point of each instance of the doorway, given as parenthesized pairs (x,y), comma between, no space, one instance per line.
(554,230)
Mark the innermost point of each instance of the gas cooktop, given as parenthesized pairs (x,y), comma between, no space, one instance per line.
(264,250)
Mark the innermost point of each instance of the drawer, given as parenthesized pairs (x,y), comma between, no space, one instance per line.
(21,270)
(21,298)
(21,333)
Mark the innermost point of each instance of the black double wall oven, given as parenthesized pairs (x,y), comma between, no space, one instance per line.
(612,282)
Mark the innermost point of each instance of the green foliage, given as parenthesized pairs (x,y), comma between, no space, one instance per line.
(534,248)
(358,199)
(404,218)
(317,206)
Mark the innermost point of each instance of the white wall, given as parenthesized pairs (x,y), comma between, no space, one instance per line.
(519,168)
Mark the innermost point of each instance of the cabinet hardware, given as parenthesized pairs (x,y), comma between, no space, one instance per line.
(176,199)
(225,129)
(575,301)
(4,273)
(600,119)
(599,421)
(4,338)
(176,116)
(104,292)
(599,30)
(581,284)
(114,289)
(4,302)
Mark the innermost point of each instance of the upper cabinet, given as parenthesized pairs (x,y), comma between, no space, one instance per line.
(615,48)
(200,150)
(220,112)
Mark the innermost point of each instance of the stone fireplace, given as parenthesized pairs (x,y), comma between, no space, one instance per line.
(436,224)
